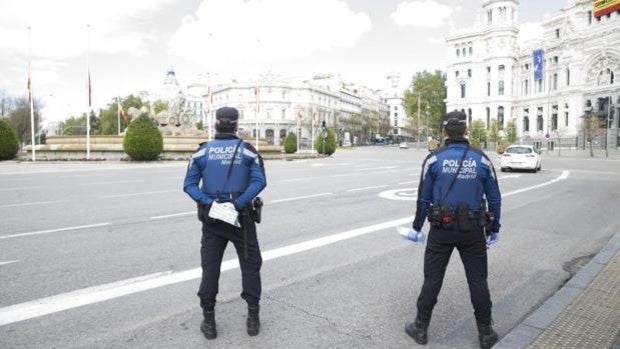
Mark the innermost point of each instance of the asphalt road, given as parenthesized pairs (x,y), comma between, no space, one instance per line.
(107,255)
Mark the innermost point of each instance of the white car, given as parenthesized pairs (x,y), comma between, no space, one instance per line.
(521,157)
(403,145)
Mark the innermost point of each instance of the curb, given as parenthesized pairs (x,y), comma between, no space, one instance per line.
(536,323)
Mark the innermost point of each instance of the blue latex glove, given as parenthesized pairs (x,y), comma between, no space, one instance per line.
(417,237)
(492,238)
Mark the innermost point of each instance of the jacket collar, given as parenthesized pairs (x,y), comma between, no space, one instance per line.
(454,141)
(226,136)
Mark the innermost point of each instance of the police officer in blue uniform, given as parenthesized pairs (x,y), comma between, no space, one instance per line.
(454,184)
(232,172)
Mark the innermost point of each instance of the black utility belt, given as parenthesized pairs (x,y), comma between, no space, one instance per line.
(253,209)
(445,217)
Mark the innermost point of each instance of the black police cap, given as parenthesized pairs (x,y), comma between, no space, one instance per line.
(227,115)
(455,118)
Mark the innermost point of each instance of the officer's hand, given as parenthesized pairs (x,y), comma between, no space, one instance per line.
(412,235)
(492,238)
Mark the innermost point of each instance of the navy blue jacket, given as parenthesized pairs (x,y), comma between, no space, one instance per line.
(210,165)
(476,178)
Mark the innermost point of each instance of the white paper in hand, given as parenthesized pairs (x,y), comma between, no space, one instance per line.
(225,212)
(417,238)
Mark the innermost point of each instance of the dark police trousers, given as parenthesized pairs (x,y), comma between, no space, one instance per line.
(473,250)
(215,237)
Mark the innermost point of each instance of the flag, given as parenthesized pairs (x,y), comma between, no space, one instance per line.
(538,64)
(603,7)
(29,88)
(300,117)
(123,114)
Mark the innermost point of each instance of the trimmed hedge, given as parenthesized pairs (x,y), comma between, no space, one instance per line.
(290,143)
(330,143)
(9,143)
(143,141)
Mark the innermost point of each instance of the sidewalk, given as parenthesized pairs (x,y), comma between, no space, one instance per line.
(584,313)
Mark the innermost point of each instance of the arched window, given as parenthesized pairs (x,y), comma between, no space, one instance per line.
(500,117)
(488,117)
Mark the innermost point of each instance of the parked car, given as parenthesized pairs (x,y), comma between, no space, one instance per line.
(403,145)
(521,157)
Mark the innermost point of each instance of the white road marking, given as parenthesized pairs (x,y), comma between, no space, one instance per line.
(30,204)
(8,262)
(174,215)
(53,231)
(563,176)
(64,301)
(402,194)
(510,176)
(410,182)
(376,168)
(105,183)
(143,193)
(34,170)
(318,165)
(301,198)
(367,188)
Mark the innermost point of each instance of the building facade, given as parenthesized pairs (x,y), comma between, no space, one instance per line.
(492,75)
(285,105)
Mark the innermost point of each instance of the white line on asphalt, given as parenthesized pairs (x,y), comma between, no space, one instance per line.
(410,182)
(563,176)
(318,165)
(30,204)
(301,198)
(367,188)
(143,193)
(376,168)
(7,262)
(64,301)
(53,231)
(509,176)
(104,183)
(174,215)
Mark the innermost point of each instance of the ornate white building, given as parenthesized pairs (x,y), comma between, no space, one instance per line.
(287,105)
(491,74)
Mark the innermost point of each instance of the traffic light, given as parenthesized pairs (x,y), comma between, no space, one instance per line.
(323,124)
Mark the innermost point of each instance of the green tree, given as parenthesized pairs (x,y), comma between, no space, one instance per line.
(290,143)
(477,133)
(431,86)
(143,140)
(511,132)
(494,135)
(159,106)
(109,119)
(9,143)
(327,145)
(73,126)
(20,119)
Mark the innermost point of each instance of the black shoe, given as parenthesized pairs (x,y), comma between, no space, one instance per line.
(487,336)
(418,331)
(208,325)
(253,321)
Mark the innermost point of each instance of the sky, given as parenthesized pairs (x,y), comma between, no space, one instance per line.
(133,43)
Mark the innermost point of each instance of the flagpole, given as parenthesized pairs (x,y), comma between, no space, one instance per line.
(30,99)
(257,111)
(89,92)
